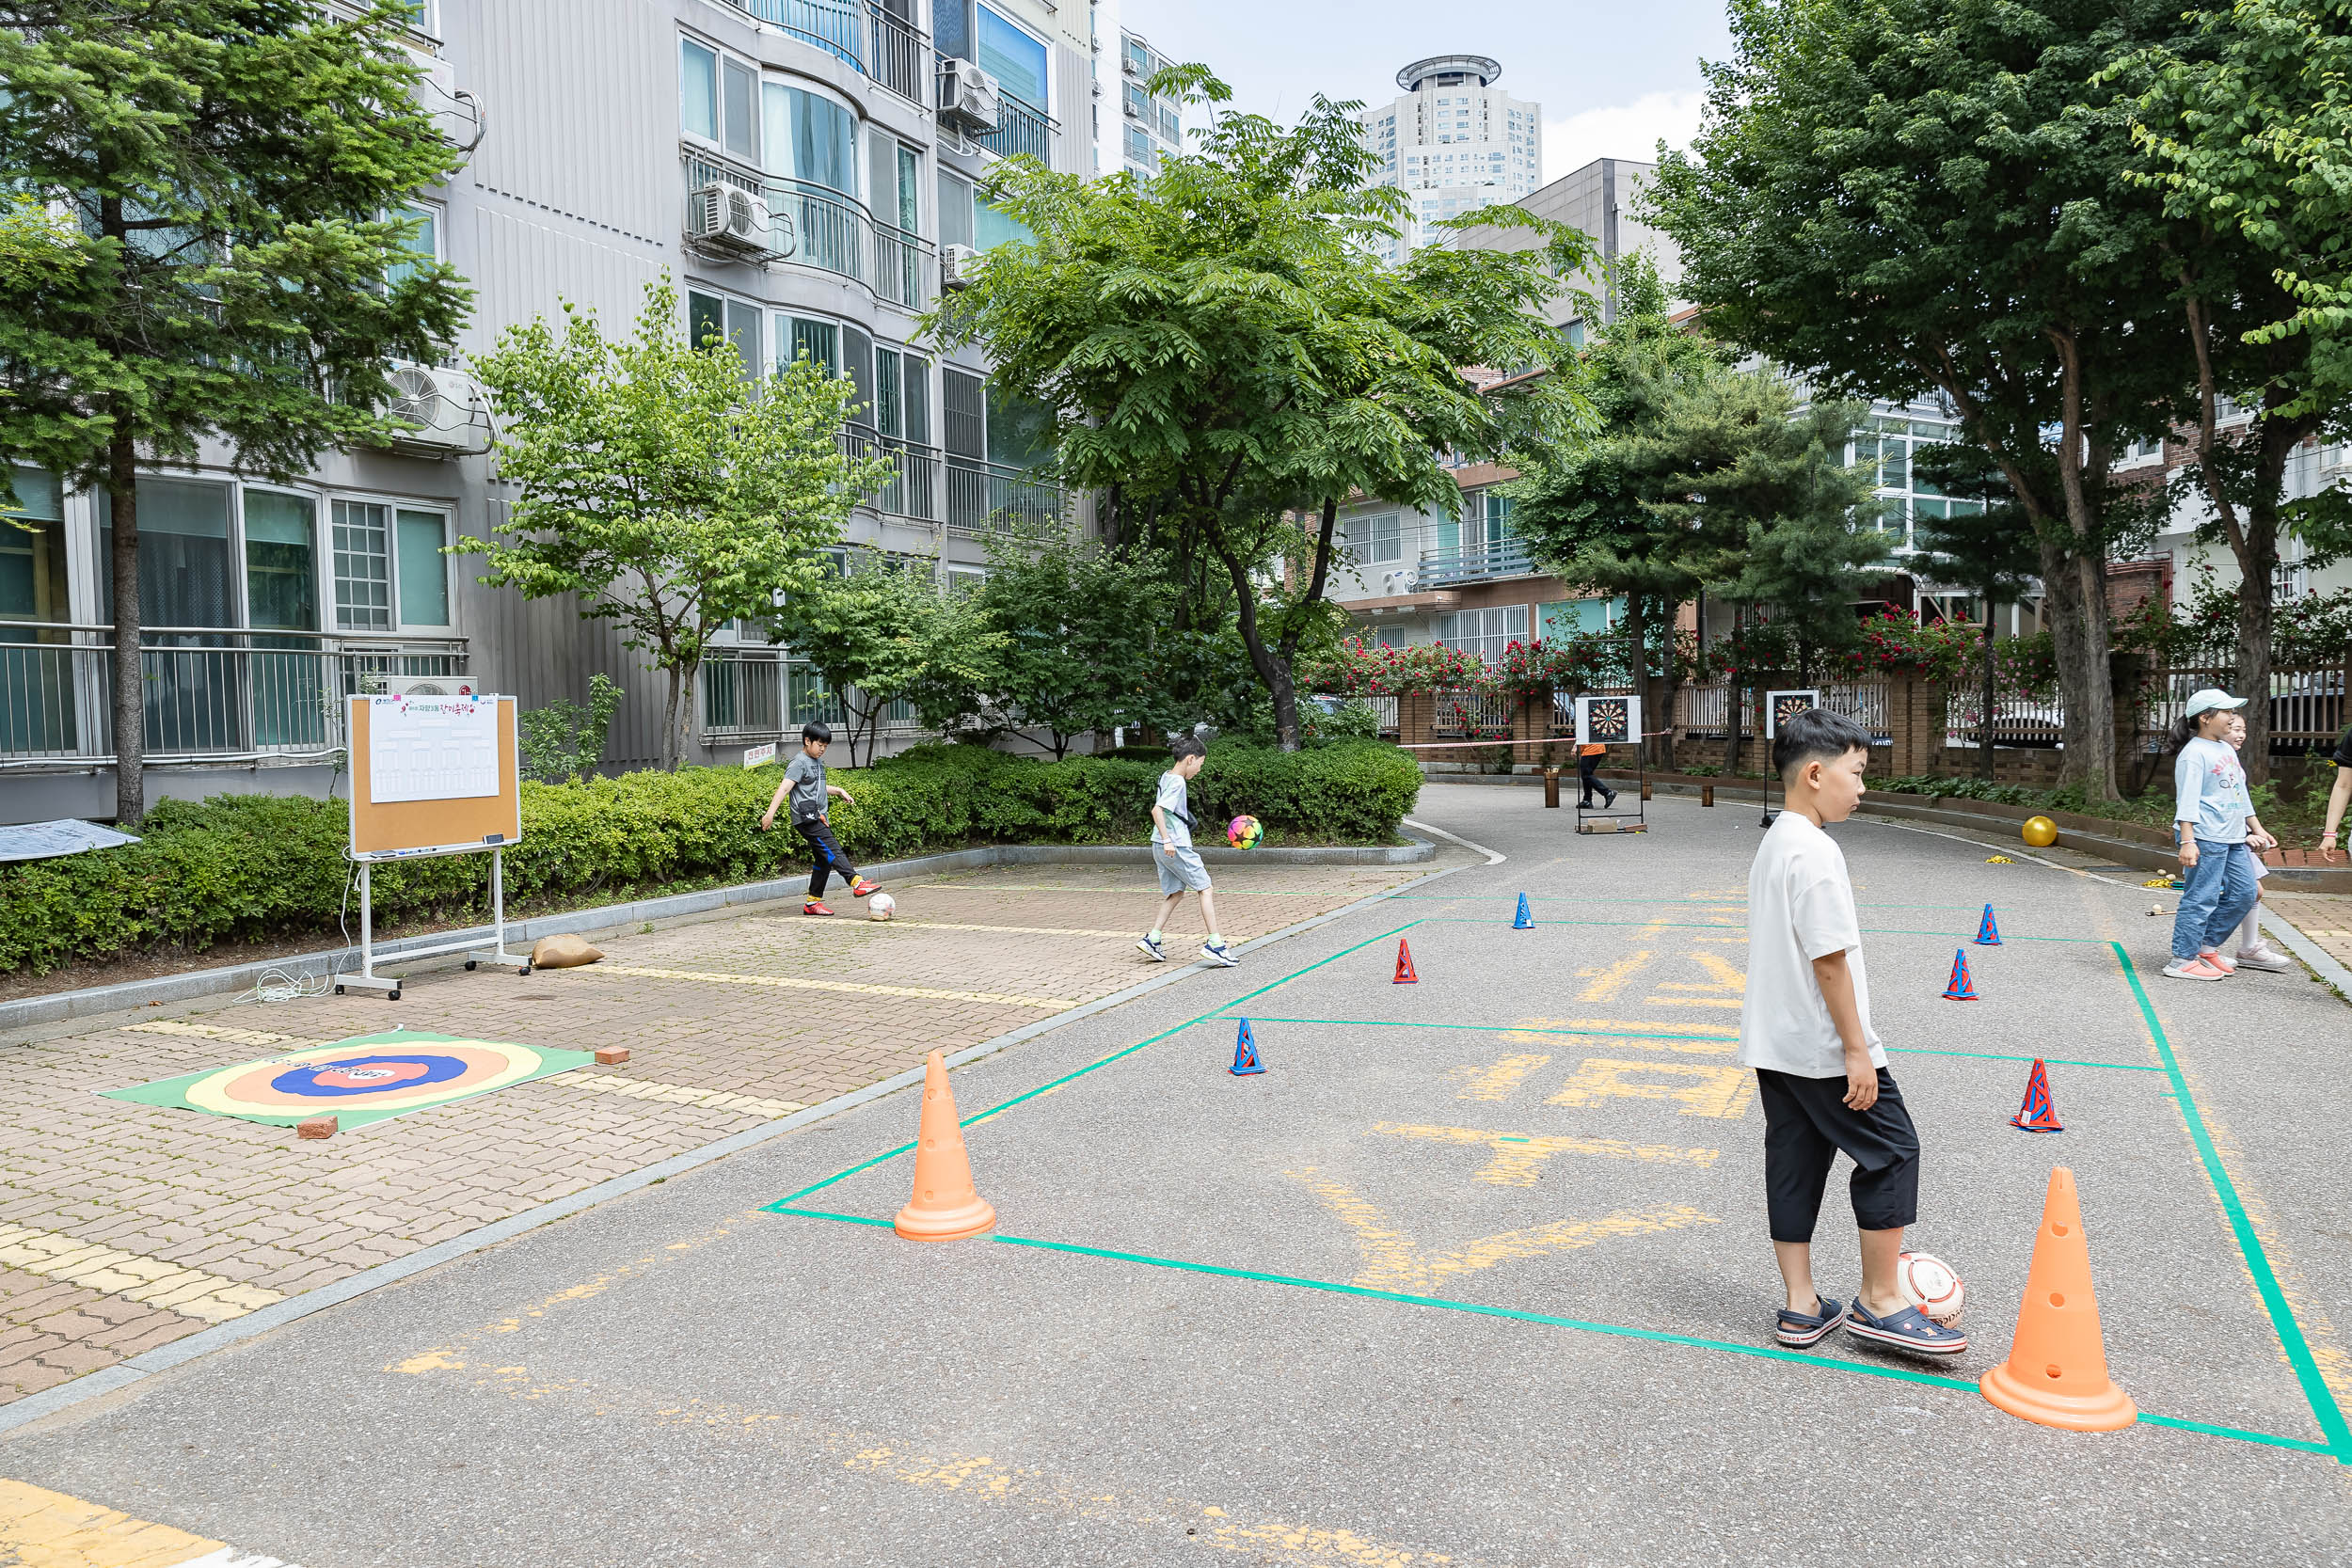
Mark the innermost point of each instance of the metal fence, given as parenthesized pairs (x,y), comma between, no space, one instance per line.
(970,496)
(2307,704)
(1473,712)
(760,694)
(1023,130)
(1504,558)
(221,696)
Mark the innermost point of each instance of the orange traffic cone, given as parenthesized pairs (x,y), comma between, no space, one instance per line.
(2056,1371)
(1405,975)
(946,1207)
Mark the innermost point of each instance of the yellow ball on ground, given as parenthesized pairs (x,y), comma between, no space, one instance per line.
(2039,832)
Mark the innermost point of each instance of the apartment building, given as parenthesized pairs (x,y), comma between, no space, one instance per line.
(1454,142)
(803,170)
(1599,198)
(1148,127)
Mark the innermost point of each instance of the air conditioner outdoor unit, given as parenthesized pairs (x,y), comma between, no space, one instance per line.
(731,219)
(958,265)
(968,99)
(1398,582)
(445,408)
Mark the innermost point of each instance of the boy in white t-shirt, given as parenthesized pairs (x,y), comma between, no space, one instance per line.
(1804,1028)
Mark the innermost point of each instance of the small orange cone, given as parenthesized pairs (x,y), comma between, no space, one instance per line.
(2056,1371)
(1405,975)
(946,1207)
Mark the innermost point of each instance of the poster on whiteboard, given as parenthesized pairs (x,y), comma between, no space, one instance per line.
(1608,720)
(1781,707)
(432,748)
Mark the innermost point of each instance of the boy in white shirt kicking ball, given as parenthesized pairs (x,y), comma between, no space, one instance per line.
(1804,1028)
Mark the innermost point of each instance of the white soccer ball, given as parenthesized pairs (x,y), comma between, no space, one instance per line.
(880,907)
(1932,1284)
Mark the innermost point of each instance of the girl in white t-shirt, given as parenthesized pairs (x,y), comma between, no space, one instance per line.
(2253,951)
(2213,819)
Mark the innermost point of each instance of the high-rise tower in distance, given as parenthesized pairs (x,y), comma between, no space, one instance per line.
(1454,142)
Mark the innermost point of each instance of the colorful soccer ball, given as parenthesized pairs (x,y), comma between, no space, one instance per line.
(880,907)
(1243,832)
(1930,1284)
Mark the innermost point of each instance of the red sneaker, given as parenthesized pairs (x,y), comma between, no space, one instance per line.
(813,906)
(864,885)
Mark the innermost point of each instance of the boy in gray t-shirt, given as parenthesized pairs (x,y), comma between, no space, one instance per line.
(1179,862)
(804,784)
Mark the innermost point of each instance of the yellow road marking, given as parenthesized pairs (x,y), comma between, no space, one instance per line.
(1496,1082)
(794,982)
(1391,1262)
(1689,1002)
(215,1032)
(1607,982)
(1714,1091)
(1679,1025)
(150,1281)
(1518,1159)
(983,1480)
(675,1094)
(40,1528)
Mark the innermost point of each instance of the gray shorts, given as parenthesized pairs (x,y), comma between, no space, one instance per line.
(1180,871)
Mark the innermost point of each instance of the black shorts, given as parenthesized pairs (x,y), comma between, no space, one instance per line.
(1807,1125)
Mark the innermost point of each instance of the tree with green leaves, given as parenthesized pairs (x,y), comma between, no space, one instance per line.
(1078,623)
(231,267)
(881,633)
(1222,351)
(1698,477)
(2248,136)
(1988,550)
(670,491)
(1896,197)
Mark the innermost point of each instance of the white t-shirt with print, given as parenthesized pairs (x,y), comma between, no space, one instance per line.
(1800,909)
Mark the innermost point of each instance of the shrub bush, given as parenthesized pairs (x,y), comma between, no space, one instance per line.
(239,867)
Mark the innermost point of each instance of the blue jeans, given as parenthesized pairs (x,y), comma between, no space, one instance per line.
(2221,891)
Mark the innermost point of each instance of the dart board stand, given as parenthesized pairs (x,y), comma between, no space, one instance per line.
(431,777)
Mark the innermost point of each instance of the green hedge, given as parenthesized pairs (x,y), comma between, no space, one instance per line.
(240,867)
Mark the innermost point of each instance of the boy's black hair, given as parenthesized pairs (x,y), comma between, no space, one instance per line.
(1815,733)
(1187,746)
(817,729)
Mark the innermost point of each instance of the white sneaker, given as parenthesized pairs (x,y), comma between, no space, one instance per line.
(2264,956)
(1219,956)
(2193,969)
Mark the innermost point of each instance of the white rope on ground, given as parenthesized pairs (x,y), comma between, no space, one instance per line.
(279,984)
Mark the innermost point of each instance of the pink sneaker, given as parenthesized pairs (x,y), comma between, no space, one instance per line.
(2212,956)
(2193,969)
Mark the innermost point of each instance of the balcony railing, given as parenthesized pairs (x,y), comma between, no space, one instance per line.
(1505,558)
(1022,128)
(832,232)
(859,33)
(758,693)
(211,695)
(972,496)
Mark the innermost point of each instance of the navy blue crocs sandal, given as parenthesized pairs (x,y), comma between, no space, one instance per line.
(1909,1329)
(1798,1329)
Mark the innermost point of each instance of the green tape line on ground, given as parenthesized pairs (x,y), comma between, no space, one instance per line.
(1481,1028)
(1615,1331)
(777,1207)
(1963,937)
(2323,1399)
(1640,1035)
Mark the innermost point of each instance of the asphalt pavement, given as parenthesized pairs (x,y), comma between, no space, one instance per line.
(1475,1272)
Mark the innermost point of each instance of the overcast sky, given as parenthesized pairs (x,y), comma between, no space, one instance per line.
(1611,78)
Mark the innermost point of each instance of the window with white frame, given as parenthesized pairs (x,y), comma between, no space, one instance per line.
(1376,540)
(712,315)
(390,571)
(424,240)
(719,99)
(2141,455)
(964,581)
(1485,632)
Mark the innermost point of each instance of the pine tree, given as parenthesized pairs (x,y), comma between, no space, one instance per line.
(225,261)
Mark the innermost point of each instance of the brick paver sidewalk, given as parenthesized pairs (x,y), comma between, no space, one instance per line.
(123,1227)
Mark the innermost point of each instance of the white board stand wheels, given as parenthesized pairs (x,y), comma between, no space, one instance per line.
(390,983)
